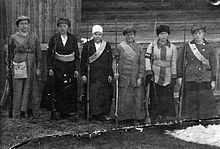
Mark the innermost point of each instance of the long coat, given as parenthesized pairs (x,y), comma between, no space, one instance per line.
(66,93)
(198,101)
(25,49)
(131,67)
(100,91)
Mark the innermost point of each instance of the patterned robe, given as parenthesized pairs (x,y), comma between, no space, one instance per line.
(198,101)
(100,91)
(25,49)
(131,67)
(164,68)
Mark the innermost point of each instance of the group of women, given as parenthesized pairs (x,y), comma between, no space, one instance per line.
(146,77)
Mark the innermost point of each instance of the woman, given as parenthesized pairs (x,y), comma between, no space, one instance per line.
(198,67)
(63,66)
(25,54)
(131,72)
(164,72)
(97,52)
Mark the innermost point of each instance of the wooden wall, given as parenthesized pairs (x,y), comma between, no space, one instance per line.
(44,14)
(3,33)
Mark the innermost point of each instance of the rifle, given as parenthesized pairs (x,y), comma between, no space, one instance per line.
(116,72)
(10,76)
(88,76)
(51,94)
(182,86)
(151,65)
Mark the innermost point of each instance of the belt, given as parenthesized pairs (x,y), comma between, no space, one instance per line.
(161,63)
(65,58)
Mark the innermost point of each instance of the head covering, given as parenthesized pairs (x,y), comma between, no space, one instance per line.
(198,27)
(162,28)
(63,21)
(97,28)
(22,18)
(129,29)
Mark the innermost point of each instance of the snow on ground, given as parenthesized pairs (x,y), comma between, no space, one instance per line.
(209,135)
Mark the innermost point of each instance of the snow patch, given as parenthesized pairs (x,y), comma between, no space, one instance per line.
(209,135)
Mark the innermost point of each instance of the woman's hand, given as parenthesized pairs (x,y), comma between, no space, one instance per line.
(84,79)
(51,73)
(213,85)
(109,79)
(139,81)
(76,74)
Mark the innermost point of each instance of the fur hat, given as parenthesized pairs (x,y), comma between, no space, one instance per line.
(97,28)
(63,21)
(162,28)
(21,18)
(128,29)
(198,27)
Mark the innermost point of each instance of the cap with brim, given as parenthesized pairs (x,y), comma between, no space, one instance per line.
(63,21)
(129,29)
(21,18)
(198,27)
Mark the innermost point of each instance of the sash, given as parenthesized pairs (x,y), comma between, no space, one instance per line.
(198,54)
(128,49)
(65,58)
(96,55)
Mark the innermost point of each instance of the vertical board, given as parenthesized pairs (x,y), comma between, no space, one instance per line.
(44,14)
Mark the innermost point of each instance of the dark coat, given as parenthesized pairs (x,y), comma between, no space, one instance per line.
(70,47)
(195,70)
(99,69)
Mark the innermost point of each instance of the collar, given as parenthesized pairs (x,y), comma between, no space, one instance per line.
(159,45)
(204,43)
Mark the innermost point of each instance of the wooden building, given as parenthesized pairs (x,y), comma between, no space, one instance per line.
(85,13)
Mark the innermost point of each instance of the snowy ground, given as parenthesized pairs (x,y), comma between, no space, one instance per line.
(209,135)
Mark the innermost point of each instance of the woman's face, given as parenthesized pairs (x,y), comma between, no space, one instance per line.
(199,35)
(163,36)
(63,28)
(129,37)
(97,36)
(23,25)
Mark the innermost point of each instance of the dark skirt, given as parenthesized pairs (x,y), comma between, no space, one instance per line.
(100,95)
(164,106)
(199,101)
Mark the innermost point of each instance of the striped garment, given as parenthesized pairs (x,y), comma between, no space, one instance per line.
(164,63)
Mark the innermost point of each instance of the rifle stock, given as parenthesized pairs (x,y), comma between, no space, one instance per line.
(88,77)
(116,72)
(10,56)
(183,76)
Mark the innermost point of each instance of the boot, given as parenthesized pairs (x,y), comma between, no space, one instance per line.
(30,113)
(22,114)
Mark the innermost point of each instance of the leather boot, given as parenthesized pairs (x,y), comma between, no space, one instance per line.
(22,114)
(30,113)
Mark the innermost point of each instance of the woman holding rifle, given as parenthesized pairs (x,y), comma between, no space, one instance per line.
(63,66)
(198,68)
(96,60)
(162,75)
(24,55)
(130,57)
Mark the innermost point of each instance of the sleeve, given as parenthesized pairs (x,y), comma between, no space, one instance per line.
(38,52)
(50,52)
(110,59)
(84,57)
(76,54)
(213,62)
(148,55)
(142,63)
(174,61)
(180,60)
